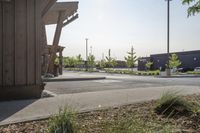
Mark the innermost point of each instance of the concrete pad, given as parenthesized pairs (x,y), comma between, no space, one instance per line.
(27,110)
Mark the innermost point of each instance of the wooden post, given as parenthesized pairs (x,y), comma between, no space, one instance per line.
(61,62)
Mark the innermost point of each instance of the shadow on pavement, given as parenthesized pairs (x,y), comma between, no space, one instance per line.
(8,108)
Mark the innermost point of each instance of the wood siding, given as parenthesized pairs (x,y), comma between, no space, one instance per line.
(1,46)
(8,47)
(20,30)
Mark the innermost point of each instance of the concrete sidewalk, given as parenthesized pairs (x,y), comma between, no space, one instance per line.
(27,110)
(73,76)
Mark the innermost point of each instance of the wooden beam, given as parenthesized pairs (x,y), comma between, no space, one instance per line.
(59,28)
(48,6)
(70,20)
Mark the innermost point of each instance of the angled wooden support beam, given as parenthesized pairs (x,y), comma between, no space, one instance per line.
(59,28)
(70,20)
(56,40)
(48,6)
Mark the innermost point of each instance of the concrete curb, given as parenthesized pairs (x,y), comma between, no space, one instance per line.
(40,118)
(181,76)
(72,79)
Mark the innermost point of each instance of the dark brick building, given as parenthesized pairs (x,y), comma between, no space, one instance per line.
(189,59)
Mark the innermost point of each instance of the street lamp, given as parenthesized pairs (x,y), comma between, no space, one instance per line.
(168,35)
(86,60)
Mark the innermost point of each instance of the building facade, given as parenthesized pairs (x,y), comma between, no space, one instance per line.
(189,59)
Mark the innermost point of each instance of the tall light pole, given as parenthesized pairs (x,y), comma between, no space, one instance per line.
(168,35)
(86,60)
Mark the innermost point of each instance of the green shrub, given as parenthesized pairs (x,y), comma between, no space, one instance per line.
(193,72)
(63,122)
(150,74)
(171,103)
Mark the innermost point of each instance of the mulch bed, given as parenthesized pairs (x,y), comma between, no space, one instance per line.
(94,122)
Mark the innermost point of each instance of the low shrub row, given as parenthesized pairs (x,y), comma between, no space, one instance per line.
(75,69)
(143,73)
(109,70)
(193,72)
(81,69)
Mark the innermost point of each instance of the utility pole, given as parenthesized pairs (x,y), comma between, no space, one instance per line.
(168,36)
(86,60)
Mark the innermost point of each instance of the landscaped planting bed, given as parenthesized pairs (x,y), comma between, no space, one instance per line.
(110,70)
(135,118)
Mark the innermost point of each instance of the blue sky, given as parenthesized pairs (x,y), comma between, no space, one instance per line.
(120,24)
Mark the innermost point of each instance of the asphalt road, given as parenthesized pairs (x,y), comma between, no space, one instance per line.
(116,82)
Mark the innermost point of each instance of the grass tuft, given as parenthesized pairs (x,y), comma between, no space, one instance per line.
(135,125)
(171,104)
(63,122)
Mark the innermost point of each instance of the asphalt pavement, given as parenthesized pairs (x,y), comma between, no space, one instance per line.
(117,82)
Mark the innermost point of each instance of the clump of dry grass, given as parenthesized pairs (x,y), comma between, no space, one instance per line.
(172,103)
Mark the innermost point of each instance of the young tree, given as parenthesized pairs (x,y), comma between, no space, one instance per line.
(102,63)
(111,62)
(79,59)
(194,8)
(91,60)
(131,58)
(174,62)
(148,65)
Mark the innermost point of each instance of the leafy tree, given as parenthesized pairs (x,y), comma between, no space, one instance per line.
(69,61)
(131,58)
(174,62)
(149,64)
(79,59)
(194,8)
(102,63)
(91,60)
(111,62)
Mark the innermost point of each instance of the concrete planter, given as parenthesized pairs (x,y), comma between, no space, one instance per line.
(165,73)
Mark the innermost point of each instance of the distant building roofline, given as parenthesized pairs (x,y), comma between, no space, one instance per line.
(181,52)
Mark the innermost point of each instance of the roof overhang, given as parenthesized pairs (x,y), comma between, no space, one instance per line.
(69,9)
